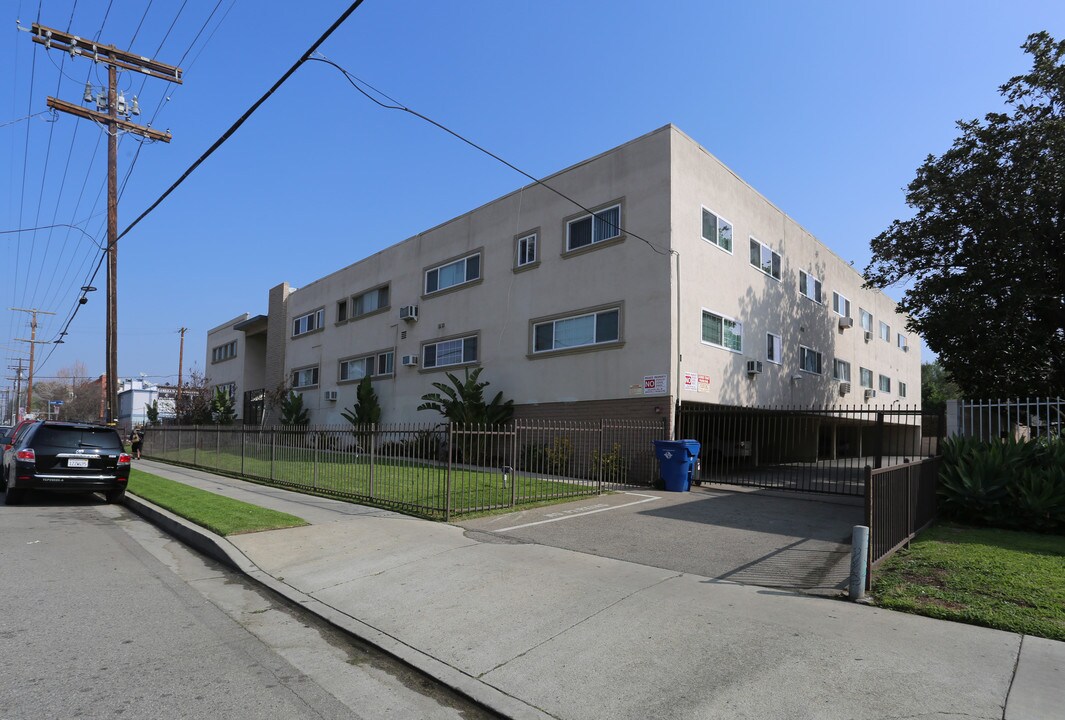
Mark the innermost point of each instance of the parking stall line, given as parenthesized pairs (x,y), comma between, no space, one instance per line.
(646,498)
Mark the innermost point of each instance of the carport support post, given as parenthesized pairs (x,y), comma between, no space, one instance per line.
(859,557)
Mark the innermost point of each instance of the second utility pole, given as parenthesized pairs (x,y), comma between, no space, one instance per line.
(115,119)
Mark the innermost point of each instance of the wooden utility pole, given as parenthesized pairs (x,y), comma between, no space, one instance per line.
(180,363)
(115,119)
(18,388)
(34,342)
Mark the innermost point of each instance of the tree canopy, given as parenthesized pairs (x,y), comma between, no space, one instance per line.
(985,249)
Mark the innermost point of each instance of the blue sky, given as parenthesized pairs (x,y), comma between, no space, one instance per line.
(827,108)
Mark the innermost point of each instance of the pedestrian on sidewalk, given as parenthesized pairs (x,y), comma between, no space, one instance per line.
(136,438)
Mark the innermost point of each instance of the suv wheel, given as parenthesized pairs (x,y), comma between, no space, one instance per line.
(114,496)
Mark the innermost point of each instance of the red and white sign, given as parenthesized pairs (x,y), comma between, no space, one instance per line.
(655,384)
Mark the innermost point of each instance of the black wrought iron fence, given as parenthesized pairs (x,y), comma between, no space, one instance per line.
(1019,418)
(899,503)
(809,449)
(434,470)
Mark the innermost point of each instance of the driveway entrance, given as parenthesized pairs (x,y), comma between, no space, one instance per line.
(750,536)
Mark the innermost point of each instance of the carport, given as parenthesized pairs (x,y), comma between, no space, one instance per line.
(753,536)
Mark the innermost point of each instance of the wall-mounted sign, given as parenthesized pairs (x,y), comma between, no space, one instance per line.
(704,383)
(655,384)
(691,382)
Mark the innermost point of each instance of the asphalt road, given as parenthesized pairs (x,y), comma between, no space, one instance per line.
(103,616)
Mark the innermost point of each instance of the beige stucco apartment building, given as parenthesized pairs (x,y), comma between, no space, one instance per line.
(683,284)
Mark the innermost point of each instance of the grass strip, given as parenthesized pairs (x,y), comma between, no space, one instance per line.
(1000,579)
(217,513)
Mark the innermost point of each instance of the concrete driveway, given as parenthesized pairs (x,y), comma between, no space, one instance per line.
(749,536)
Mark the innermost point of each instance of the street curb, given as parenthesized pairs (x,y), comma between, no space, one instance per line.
(221,550)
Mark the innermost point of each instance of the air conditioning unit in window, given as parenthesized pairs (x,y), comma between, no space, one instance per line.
(846,322)
(868,335)
(844,388)
(331,395)
(754,367)
(408,312)
(870,394)
(410,361)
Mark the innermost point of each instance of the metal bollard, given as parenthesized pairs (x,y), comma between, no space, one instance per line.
(859,557)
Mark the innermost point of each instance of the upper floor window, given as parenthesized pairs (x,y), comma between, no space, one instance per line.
(765,259)
(577,331)
(866,377)
(902,341)
(841,305)
(369,301)
(458,351)
(376,365)
(342,310)
(902,389)
(885,331)
(309,322)
(722,331)
(810,286)
(229,389)
(809,360)
(307,377)
(841,370)
(866,319)
(452,274)
(526,250)
(773,349)
(885,384)
(602,225)
(224,352)
(717,230)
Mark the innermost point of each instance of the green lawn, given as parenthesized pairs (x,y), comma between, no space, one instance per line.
(217,513)
(996,578)
(413,483)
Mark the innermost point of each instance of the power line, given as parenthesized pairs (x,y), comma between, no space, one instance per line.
(355,83)
(218,143)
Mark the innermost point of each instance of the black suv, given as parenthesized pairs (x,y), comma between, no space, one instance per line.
(67,456)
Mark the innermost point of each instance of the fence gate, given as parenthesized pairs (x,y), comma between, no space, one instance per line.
(811,449)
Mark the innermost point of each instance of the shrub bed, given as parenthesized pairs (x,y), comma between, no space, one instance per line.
(1012,484)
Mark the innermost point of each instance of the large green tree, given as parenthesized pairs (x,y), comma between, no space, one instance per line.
(985,249)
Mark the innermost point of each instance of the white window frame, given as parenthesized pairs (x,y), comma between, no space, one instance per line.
(464,339)
(803,352)
(595,331)
(885,380)
(527,251)
(862,373)
(774,343)
(598,223)
(311,321)
(762,249)
(226,351)
(297,378)
(865,319)
(229,388)
(465,273)
(736,330)
(837,365)
(804,287)
(903,343)
(383,365)
(846,303)
(885,332)
(718,221)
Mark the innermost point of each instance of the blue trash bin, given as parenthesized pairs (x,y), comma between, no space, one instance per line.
(676,463)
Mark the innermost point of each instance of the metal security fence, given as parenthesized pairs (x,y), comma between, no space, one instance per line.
(809,449)
(433,470)
(1019,418)
(900,502)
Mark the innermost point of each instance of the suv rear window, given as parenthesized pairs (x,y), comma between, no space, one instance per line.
(60,436)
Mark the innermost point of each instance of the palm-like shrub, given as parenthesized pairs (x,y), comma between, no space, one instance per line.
(463,401)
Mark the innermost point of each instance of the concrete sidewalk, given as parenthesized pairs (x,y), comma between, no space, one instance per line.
(536,631)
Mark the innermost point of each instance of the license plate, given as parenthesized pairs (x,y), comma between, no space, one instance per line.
(78,462)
